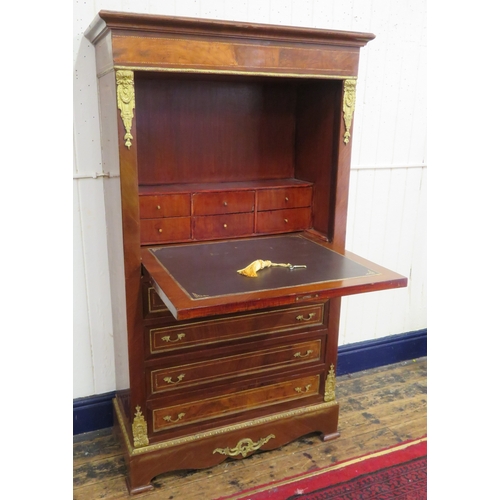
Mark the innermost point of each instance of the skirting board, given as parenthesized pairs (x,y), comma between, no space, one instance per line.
(96,412)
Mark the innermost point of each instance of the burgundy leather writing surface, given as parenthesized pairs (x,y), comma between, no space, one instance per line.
(207,270)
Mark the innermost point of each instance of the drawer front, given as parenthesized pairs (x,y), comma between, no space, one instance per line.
(198,411)
(277,199)
(153,303)
(200,333)
(224,202)
(170,205)
(222,226)
(165,230)
(283,221)
(192,374)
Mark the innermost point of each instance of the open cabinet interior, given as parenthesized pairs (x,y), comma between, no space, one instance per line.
(233,143)
(265,144)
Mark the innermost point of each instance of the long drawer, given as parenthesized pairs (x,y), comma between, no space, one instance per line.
(154,307)
(199,333)
(187,375)
(221,406)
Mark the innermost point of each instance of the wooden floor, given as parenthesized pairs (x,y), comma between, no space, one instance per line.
(378,408)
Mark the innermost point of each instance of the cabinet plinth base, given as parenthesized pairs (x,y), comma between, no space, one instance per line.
(206,449)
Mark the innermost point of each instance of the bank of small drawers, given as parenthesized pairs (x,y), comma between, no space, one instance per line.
(201,216)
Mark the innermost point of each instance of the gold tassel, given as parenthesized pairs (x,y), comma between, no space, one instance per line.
(257,265)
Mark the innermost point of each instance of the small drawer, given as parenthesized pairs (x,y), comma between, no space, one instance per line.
(200,333)
(221,406)
(165,230)
(277,199)
(283,221)
(232,366)
(222,226)
(224,202)
(169,205)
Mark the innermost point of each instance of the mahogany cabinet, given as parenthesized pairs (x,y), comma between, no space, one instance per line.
(233,142)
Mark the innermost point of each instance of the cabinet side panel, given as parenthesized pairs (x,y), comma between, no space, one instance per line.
(317,105)
(112,201)
(120,157)
(342,148)
(104,54)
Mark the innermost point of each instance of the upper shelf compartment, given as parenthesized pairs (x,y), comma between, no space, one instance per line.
(192,129)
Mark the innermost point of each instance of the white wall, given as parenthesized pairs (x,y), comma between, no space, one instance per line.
(387,211)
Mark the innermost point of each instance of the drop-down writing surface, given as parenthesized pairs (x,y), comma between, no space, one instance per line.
(201,279)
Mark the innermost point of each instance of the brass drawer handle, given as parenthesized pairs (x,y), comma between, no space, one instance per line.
(286,221)
(299,355)
(158,207)
(169,380)
(286,198)
(303,390)
(168,418)
(225,225)
(225,203)
(160,230)
(301,317)
(244,447)
(167,339)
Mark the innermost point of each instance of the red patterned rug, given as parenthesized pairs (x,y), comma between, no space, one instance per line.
(398,472)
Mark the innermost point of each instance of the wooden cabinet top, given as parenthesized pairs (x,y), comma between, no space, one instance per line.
(164,43)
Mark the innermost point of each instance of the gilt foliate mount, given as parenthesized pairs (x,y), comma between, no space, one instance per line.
(348,106)
(125,95)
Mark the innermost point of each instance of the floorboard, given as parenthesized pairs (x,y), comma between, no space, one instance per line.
(378,408)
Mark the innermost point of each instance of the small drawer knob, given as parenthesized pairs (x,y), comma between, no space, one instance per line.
(286,221)
(160,230)
(158,207)
(225,203)
(286,198)
(225,225)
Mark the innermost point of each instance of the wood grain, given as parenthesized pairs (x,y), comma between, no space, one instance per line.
(379,408)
